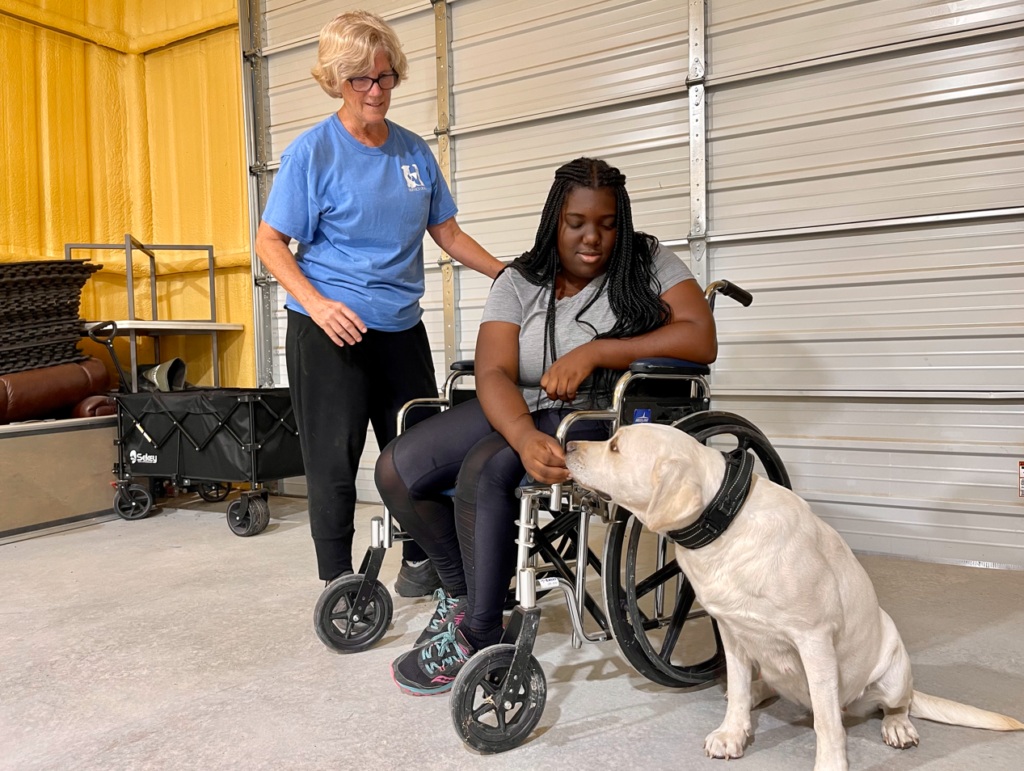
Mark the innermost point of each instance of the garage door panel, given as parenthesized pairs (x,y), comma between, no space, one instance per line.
(969,185)
(916,472)
(923,133)
(948,425)
(806,361)
(951,251)
(964,72)
(286,21)
(970,302)
(917,530)
(512,60)
(929,478)
(751,35)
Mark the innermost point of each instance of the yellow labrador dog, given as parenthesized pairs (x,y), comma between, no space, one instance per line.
(790,598)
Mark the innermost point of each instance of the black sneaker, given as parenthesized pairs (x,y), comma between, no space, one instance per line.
(419,580)
(432,668)
(449,610)
(342,574)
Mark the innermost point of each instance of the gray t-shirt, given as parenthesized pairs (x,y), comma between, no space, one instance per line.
(517,301)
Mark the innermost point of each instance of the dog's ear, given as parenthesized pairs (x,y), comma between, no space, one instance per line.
(676,500)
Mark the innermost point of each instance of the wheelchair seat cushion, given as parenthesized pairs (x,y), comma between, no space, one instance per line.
(662,365)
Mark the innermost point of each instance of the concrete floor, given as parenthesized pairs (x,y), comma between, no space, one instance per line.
(170,643)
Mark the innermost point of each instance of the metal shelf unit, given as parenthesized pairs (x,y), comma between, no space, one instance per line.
(133,327)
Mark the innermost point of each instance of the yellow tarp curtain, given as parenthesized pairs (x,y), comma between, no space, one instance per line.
(121,117)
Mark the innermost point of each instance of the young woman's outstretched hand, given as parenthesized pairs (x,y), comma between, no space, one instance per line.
(543,458)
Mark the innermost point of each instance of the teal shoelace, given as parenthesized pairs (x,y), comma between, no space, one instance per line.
(442,652)
(445,604)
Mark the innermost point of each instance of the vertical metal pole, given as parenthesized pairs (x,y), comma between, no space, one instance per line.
(133,339)
(442,41)
(697,239)
(213,283)
(216,360)
(129,276)
(133,351)
(256,150)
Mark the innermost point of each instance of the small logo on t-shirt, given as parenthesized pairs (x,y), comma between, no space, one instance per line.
(412,177)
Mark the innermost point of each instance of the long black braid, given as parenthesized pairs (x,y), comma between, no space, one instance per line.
(633,289)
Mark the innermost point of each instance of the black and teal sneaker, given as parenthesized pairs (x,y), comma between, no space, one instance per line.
(417,579)
(449,610)
(432,668)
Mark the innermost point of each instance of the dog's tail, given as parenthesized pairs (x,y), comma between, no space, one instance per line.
(954,713)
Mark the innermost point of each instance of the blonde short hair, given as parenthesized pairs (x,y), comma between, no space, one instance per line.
(348,44)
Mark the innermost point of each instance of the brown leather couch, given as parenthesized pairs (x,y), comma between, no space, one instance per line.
(54,391)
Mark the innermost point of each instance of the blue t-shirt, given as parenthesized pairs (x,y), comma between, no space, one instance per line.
(359,214)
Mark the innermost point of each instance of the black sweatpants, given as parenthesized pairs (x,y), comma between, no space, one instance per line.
(336,391)
(470,540)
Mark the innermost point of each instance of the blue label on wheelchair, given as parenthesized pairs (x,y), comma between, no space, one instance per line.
(641,416)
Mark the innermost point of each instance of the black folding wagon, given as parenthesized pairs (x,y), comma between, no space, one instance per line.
(206,438)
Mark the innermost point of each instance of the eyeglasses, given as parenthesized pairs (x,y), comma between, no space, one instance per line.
(386,83)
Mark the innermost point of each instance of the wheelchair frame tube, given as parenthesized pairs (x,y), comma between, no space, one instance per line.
(582,546)
(526,575)
(385,534)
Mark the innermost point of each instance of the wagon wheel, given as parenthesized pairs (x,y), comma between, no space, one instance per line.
(213,492)
(652,607)
(132,501)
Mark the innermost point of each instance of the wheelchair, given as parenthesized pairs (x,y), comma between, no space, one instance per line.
(645,602)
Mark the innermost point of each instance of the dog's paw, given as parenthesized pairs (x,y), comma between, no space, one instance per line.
(899,732)
(725,743)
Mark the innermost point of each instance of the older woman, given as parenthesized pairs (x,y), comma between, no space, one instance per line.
(358,193)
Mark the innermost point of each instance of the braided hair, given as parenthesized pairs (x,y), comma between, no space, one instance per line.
(632,287)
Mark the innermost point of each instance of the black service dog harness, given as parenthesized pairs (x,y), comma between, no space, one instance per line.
(719,514)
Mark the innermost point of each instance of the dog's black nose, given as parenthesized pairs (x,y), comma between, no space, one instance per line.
(570,447)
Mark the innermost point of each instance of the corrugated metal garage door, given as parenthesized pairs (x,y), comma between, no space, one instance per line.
(884,328)
(864,162)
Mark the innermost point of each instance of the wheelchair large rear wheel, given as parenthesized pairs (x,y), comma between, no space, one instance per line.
(650,602)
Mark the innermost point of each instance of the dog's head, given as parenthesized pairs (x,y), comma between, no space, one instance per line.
(657,472)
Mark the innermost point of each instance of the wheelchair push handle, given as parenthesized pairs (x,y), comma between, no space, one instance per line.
(729,289)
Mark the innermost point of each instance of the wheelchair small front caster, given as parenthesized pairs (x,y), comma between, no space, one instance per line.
(132,501)
(486,721)
(339,623)
(249,515)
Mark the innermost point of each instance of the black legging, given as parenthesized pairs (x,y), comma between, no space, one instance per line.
(471,543)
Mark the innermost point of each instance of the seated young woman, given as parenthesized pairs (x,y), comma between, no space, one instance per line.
(560,324)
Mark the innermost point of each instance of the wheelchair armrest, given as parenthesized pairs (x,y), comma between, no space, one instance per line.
(661,365)
(466,365)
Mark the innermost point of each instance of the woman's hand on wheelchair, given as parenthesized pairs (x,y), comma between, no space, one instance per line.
(544,459)
(563,378)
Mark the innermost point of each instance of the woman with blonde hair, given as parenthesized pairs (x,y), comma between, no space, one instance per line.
(358,193)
